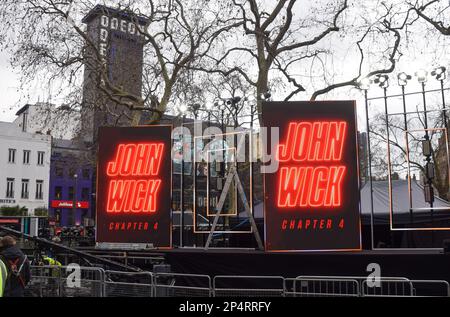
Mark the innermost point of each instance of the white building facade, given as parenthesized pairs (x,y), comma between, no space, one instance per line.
(24,168)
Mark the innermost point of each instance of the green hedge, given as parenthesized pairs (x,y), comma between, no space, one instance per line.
(13,211)
(41,212)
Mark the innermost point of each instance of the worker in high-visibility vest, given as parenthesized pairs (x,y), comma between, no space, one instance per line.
(3,277)
(49,261)
(52,271)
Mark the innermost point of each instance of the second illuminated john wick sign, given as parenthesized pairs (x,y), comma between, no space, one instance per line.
(134,185)
(311,186)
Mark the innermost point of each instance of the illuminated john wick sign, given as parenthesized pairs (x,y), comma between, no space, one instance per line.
(134,185)
(140,160)
(302,185)
(312,199)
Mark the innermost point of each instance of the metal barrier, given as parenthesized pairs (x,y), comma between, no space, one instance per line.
(431,288)
(182,285)
(388,288)
(248,286)
(91,283)
(54,281)
(45,282)
(305,286)
(128,284)
(348,286)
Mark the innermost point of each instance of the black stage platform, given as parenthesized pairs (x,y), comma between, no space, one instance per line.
(412,264)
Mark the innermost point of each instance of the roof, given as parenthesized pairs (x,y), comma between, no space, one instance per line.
(37,104)
(101,9)
(400,202)
(10,129)
(67,145)
(23,109)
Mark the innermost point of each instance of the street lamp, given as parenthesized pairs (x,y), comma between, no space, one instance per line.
(195,108)
(382,81)
(421,75)
(364,84)
(439,73)
(253,103)
(182,109)
(74,202)
(403,79)
(426,147)
(233,102)
(266,96)
(209,106)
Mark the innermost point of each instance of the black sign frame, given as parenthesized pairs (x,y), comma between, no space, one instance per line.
(289,230)
(146,228)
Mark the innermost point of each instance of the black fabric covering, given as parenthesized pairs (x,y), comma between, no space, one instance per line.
(409,264)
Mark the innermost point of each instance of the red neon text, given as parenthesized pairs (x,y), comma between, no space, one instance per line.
(302,183)
(133,195)
(133,186)
(310,186)
(311,142)
(136,160)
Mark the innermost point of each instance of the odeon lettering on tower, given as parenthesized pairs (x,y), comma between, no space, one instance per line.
(312,199)
(134,185)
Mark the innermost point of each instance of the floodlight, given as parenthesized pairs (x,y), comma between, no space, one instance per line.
(403,79)
(421,75)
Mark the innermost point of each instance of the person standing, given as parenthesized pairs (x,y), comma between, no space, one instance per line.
(3,277)
(18,267)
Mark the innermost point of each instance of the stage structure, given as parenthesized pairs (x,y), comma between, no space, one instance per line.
(409,131)
(223,188)
(311,183)
(134,187)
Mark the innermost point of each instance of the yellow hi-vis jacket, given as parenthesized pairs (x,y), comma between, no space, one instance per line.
(51,261)
(3,276)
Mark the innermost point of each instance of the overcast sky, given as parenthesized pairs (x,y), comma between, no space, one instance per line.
(416,58)
(9,83)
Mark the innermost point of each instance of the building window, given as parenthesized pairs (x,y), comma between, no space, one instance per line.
(10,188)
(59,171)
(58,192)
(71,193)
(24,121)
(25,193)
(86,173)
(40,158)
(39,187)
(85,194)
(72,172)
(12,156)
(26,157)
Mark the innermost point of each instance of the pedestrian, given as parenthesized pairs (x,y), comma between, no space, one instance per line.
(17,265)
(3,276)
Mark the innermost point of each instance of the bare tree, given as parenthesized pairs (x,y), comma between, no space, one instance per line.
(435,12)
(285,47)
(407,157)
(278,40)
(48,42)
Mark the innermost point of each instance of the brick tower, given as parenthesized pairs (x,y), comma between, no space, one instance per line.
(119,42)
